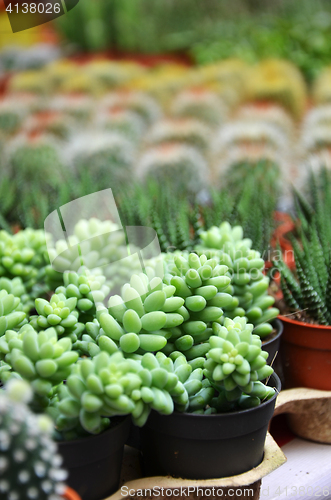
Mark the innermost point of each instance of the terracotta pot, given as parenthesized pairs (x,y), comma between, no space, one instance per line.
(306,354)
(70,494)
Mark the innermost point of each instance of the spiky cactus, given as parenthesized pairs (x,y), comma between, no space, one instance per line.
(307,289)
(29,463)
(181,130)
(200,104)
(147,108)
(179,165)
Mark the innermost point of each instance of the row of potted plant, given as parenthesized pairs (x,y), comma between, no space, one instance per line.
(185,349)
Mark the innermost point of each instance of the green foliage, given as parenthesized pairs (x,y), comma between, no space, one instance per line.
(210,30)
(309,287)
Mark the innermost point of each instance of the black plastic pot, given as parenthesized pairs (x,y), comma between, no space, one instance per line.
(94,463)
(272,345)
(206,446)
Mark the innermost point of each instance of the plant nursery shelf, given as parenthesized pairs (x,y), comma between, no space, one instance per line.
(134,486)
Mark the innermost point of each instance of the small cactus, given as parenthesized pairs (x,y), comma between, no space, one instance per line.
(180,165)
(29,463)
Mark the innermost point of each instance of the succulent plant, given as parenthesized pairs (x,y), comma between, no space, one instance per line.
(36,169)
(18,257)
(122,121)
(10,119)
(110,385)
(139,102)
(202,285)
(188,131)
(308,287)
(249,286)
(279,81)
(273,114)
(200,104)
(236,364)
(60,313)
(10,317)
(32,81)
(111,155)
(78,107)
(111,74)
(256,132)
(39,358)
(180,165)
(29,463)
(143,318)
(88,288)
(321,87)
(167,211)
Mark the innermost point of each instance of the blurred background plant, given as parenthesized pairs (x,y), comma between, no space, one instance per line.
(209,29)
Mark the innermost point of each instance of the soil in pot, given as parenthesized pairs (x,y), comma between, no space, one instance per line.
(94,462)
(306,354)
(206,446)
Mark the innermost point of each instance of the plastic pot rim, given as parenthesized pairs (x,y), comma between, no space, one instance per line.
(229,413)
(279,326)
(286,319)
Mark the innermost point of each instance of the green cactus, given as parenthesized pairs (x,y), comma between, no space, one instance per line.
(29,463)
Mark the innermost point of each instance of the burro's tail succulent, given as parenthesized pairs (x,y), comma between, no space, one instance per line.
(236,365)
(29,463)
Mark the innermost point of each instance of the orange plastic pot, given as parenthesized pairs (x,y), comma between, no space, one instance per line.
(306,354)
(70,494)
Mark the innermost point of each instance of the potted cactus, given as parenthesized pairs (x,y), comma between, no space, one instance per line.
(306,290)
(29,457)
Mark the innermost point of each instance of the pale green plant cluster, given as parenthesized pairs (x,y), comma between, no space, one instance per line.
(92,350)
